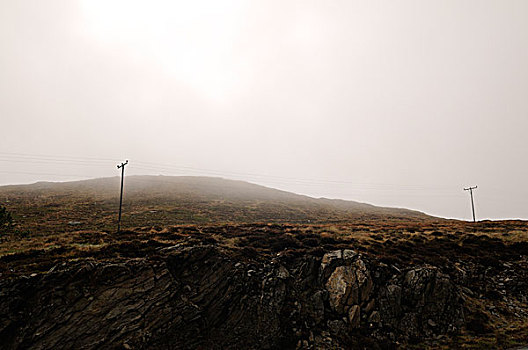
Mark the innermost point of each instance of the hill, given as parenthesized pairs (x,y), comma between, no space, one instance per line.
(168,200)
(208,263)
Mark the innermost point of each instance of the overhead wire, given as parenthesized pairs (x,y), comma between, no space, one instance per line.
(39,173)
(172,169)
(57,156)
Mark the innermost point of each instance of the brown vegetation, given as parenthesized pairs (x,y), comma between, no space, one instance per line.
(487,261)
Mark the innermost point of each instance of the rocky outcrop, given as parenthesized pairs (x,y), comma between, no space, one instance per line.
(391,304)
(210,298)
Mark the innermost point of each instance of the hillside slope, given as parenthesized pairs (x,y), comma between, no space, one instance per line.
(163,200)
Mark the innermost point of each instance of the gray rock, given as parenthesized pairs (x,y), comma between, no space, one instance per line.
(349,285)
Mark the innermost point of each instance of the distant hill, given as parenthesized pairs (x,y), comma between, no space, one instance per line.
(167,200)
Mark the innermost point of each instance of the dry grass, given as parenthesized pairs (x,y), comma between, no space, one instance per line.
(43,238)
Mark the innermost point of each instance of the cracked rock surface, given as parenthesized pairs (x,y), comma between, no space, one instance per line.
(207,297)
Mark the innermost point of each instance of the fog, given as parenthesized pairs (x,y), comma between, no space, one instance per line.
(393,103)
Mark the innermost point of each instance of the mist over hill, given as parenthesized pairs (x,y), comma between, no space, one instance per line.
(162,200)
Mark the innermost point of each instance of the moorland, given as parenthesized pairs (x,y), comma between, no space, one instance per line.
(215,263)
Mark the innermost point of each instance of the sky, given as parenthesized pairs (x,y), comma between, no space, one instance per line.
(394,103)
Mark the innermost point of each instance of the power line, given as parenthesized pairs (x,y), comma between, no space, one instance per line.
(156,166)
(37,173)
(274,182)
(185,170)
(57,156)
(58,162)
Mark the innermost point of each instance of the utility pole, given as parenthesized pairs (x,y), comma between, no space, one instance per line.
(122,167)
(470,189)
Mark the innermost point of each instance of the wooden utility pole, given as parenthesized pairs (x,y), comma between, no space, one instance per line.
(470,189)
(122,167)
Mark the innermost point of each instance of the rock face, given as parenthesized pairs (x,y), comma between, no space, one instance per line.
(349,285)
(406,305)
(206,297)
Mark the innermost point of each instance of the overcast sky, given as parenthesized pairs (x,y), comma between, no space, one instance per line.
(396,103)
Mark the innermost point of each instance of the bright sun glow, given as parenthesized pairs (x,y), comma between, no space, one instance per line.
(193,41)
